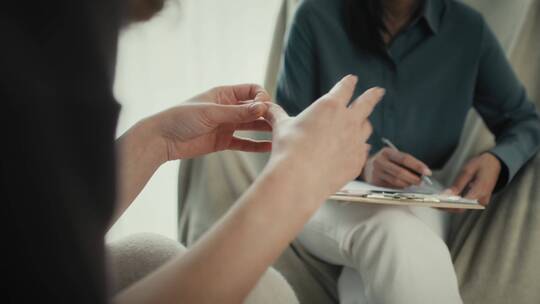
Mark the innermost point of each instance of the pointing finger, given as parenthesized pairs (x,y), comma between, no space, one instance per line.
(364,104)
(343,90)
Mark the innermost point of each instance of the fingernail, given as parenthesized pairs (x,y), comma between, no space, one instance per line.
(427,172)
(381,91)
(352,78)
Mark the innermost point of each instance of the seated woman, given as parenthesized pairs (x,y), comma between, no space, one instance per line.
(436,59)
(58,164)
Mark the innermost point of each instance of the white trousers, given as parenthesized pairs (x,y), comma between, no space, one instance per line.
(390,254)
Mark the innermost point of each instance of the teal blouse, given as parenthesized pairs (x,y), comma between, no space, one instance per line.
(434,71)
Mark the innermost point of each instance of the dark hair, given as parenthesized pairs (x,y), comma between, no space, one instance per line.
(143,10)
(365,24)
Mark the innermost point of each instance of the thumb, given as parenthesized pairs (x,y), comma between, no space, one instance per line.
(235,113)
(274,114)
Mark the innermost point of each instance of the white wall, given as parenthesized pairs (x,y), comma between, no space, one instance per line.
(191,46)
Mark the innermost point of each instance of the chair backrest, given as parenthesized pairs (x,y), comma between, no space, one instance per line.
(525,56)
(209,185)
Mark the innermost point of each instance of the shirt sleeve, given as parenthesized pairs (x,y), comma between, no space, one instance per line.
(296,86)
(502,102)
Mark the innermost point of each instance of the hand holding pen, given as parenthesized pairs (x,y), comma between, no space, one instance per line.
(424,172)
(395,169)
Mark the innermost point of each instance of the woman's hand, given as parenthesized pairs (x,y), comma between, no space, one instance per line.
(313,155)
(394,169)
(325,146)
(478,178)
(206,123)
(202,125)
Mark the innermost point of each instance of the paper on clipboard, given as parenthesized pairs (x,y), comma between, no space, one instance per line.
(362,188)
(362,192)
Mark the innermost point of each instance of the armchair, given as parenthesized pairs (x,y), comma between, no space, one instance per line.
(496,252)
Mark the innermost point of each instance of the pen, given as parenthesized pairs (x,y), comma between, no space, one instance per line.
(388,143)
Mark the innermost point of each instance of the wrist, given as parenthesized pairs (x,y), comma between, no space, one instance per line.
(298,179)
(492,159)
(501,171)
(146,137)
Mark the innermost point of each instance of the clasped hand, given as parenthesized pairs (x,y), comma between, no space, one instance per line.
(206,123)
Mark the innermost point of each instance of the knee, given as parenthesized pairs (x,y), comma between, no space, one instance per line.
(395,246)
(397,232)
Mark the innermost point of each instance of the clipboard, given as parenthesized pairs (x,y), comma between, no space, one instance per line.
(360,192)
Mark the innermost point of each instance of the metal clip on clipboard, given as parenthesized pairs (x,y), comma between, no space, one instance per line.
(360,192)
